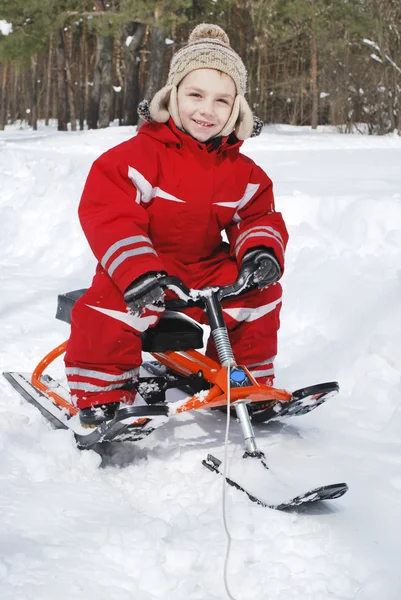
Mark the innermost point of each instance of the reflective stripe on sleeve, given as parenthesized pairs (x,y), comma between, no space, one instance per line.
(263,231)
(124,255)
(136,239)
(261,228)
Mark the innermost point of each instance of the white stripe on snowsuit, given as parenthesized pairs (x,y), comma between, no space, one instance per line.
(145,247)
(262,231)
(124,255)
(89,373)
(276,233)
(139,323)
(90,379)
(145,192)
(268,361)
(251,314)
(262,372)
(250,191)
(90,387)
(135,239)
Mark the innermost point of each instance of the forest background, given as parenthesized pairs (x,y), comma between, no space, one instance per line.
(310,62)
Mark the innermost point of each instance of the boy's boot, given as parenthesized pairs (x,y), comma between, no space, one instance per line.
(103,407)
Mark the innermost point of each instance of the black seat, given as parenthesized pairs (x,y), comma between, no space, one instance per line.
(174,331)
(65,302)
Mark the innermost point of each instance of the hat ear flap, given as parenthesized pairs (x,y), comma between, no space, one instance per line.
(173,107)
(244,124)
(232,120)
(240,120)
(158,108)
(165,105)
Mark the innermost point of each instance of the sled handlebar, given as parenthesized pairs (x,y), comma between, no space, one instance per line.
(191,297)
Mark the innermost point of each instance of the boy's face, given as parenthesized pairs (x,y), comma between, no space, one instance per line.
(205,101)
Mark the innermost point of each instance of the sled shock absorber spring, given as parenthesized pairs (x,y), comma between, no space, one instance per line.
(223,346)
(219,330)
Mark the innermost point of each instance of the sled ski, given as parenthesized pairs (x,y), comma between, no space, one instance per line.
(22,384)
(302,402)
(130,423)
(318,494)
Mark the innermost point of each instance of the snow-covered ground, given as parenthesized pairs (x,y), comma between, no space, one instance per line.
(148,525)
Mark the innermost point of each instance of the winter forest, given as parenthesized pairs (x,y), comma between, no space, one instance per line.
(310,62)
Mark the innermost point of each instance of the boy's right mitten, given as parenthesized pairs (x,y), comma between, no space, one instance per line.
(144,291)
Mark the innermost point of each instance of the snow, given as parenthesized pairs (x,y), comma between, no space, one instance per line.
(5,27)
(376,58)
(392,63)
(144,521)
(370,43)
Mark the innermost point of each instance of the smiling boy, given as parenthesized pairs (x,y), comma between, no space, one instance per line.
(159,203)
(205,100)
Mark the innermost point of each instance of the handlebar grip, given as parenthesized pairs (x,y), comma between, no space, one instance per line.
(187,297)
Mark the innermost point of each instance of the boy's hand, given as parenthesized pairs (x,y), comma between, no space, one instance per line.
(144,291)
(264,265)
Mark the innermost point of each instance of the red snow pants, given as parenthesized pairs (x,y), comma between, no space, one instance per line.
(104,350)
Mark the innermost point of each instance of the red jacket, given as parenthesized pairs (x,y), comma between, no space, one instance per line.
(160,201)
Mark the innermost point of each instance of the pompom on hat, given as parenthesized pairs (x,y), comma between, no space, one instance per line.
(208,48)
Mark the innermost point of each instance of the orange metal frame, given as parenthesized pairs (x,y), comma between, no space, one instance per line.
(189,362)
(42,387)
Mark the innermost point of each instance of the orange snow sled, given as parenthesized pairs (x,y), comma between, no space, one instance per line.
(178,365)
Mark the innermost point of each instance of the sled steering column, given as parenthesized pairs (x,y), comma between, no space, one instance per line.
(238,376)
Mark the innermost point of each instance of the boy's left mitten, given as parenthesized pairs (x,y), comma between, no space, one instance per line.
(263,264)
(144,291)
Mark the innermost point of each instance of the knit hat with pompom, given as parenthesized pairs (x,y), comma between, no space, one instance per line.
(208,48)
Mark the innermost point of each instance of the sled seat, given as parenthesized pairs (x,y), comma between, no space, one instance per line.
(65,302)
(174,331)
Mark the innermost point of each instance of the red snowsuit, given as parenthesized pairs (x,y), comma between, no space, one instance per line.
(159,202)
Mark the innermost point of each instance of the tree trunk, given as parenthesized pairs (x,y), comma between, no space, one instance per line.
(83,77)
(62,117)
(154,81)
(34,94)
(93,110)
(70,85)
(315,98)
(3,99)
(48,81)
(156,63)
(333,112)
(13,87)
(106,97)
(131,59)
